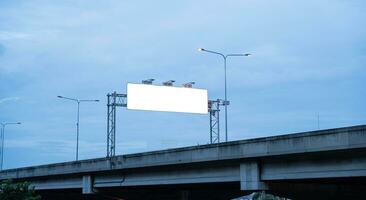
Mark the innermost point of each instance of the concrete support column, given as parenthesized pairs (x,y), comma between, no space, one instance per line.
(88,184)
(250,176)
(184,195)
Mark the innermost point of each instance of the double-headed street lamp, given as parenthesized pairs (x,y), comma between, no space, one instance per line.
(78,101)
(2,140)
(225,56)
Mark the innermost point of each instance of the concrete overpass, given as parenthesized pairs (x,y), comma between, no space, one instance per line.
(333,159)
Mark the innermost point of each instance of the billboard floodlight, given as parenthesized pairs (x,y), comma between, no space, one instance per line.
(148,81)
(188,85)
(168,83)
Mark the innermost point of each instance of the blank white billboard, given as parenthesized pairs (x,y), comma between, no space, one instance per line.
(166,98)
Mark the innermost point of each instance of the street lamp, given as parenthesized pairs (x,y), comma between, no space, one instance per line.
(78,101)
(2,140)
(225,56)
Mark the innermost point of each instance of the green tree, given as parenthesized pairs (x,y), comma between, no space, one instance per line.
(17,191)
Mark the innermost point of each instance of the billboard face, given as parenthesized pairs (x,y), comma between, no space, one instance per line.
(166,98)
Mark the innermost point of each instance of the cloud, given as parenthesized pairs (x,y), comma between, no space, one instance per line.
(3,100)
(2,49)
(8,35)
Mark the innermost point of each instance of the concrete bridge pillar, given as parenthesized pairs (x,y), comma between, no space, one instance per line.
(184,195)
(88,184)
(250,176)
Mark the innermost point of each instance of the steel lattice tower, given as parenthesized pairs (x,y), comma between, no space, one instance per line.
(214,110)
(114,100)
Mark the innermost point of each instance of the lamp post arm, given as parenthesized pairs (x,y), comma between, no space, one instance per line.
(232,55)
(87,100)
(8,123)
(214,52)
(62,97)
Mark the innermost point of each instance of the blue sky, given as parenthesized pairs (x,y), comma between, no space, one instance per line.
(308,59)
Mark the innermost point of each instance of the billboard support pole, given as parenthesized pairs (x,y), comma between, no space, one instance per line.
(114,100)
(214,110)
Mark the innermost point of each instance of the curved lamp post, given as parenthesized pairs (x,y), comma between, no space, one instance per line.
(224,56)
(78,101)
(2,140)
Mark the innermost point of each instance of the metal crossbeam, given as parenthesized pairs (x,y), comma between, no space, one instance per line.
(114,100)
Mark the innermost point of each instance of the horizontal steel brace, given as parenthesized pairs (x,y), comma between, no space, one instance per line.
(118,104)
